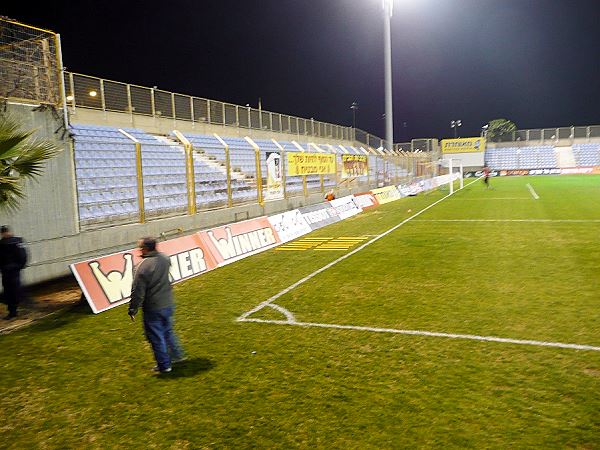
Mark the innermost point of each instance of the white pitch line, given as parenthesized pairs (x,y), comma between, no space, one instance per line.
(513,220)
(341,258)
(532,191)
(487,199)
(285,312)
(432,334)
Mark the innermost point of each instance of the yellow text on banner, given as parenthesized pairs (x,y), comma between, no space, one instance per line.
(309,163)
(354,166)
(463,145)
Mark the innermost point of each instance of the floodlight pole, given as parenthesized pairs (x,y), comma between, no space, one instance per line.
(387,40)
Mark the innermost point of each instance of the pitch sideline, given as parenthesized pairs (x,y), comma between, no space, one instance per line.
(431,334)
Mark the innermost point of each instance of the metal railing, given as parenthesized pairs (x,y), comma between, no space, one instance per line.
(84,91)
(550,135)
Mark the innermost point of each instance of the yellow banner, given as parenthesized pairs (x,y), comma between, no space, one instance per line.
(354,166)
(309,163)
(463,145)
(386,194)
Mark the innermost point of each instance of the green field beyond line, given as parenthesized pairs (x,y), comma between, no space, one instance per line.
(503,276)
(475,263)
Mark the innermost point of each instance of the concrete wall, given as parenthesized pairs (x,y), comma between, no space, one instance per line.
(49,208)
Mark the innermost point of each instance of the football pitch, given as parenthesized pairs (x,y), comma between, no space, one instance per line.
(437,321)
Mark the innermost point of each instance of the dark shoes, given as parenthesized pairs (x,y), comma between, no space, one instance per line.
(10,317)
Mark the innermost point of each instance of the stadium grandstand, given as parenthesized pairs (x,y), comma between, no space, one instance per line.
(331,289)
(142,161)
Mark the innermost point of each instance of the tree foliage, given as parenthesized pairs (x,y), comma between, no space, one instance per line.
(22,157)
(498,129)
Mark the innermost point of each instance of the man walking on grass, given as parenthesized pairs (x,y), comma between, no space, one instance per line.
(152,292)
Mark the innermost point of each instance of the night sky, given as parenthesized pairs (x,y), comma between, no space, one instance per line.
(532,61)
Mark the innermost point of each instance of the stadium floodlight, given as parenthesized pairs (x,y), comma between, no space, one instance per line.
(354,107)
(92,93)
(388,6)
(484,130)
(455,124)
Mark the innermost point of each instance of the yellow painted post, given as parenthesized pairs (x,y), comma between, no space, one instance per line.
(337,177)
(283,172)
(191,179)
(190,174)
(258,177)
(304,187)
(228,169)
(140,181)
(322,184)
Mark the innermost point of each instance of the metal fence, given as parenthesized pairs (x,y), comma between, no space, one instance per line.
(91,92)
(550,135)
(30,68)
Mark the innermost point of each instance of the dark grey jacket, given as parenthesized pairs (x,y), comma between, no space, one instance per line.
(13,256)
(151,286)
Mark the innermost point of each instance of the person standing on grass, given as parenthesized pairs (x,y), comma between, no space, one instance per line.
(13,258)
(152,292)
(486,176)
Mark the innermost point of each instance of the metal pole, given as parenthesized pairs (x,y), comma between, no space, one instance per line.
(61,85)
(129,104)
(228,168)
(450,172)
(191,178)
(72,87)
(387,37)
(140,182)
(102,99)
(259,187)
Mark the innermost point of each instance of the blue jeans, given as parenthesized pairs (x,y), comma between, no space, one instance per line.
(158,326)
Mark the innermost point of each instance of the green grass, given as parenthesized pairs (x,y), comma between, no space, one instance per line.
(79,380)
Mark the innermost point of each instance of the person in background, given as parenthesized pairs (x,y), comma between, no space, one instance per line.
(13,258)
(152,292)
(486,176)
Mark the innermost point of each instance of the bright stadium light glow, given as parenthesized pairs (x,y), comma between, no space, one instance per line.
(70,98)
(388,6)
(93,93)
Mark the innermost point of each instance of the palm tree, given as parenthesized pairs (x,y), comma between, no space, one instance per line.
(21,157)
